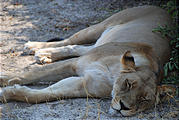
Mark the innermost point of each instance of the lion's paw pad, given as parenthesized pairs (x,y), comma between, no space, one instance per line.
(30,48)
(43,59)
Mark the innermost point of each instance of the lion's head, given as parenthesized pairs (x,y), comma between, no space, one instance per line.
(135,88)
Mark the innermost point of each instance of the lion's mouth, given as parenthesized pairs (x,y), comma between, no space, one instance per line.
(123,107)
(115,110)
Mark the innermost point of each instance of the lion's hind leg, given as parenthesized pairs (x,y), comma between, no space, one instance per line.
(71,87)
(49,55)
(86,36)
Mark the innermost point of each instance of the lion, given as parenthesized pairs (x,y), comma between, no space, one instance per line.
(119,57)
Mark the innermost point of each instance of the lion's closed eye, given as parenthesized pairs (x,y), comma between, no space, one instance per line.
(128,85)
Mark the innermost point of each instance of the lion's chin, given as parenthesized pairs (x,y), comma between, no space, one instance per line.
(114,113)
(121,113)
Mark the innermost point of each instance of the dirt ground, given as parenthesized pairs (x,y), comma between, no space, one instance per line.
(40,20)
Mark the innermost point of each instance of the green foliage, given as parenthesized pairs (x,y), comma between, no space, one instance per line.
(171,7)
(171,68)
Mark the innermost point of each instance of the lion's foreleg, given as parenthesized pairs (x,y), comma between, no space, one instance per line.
(67,88)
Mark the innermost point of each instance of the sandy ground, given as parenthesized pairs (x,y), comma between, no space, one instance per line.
(40,20)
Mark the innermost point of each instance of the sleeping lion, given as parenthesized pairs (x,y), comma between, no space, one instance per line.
(119,57)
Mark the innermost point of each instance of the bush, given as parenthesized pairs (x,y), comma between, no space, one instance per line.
(171,68)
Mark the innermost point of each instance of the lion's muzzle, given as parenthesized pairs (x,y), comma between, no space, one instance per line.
(116,106)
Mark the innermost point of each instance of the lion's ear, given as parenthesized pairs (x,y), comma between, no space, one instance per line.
(127,62)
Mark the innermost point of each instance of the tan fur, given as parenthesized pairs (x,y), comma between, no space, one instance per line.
(126,60)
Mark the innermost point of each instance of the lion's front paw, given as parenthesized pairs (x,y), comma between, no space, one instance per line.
(4,95)
(43,60)
(9,92)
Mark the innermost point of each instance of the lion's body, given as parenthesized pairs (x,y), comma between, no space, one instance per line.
(125,45)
